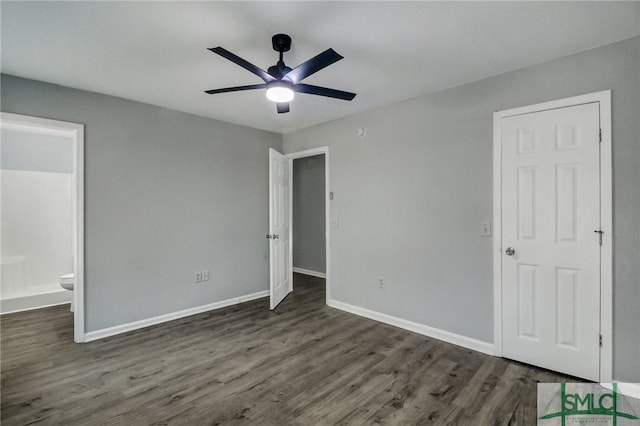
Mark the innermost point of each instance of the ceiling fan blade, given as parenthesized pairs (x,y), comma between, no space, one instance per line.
(282,107)
(236,89)
(244,64)
(324,91)
(313,65)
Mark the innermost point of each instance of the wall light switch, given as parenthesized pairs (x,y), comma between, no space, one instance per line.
(205,275)
(485,229)
(334,223)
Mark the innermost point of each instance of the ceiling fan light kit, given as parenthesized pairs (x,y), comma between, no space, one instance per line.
(281,81)
(280,91)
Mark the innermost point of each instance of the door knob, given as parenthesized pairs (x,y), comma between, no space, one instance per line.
(510,251)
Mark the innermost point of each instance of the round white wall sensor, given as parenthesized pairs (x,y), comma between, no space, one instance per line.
(361,131)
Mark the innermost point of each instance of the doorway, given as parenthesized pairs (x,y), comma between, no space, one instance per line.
(553,245)
(281,217)
(308,214)
(49,168)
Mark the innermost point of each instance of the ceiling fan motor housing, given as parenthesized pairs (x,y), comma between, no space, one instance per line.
(281,42)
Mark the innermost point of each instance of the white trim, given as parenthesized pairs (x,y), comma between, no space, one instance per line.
(327,221)
(123,328)
(76,132)
(436,333)
(497,235)
(308,153)
(309,272)
(38,128)
(327,225)
(606,205)
(78,285)
(629,389)
(606,251)
(34,301)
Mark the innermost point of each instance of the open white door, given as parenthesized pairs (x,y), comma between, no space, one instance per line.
(281,274)
(550,239)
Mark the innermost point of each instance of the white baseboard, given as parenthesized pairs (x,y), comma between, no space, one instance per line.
(35,301)
(309,272)
(436,333)
(629,389)
(123,328)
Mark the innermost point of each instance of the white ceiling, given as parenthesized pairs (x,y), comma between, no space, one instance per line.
(155,52)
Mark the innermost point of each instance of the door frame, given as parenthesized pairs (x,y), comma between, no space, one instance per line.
(606,220)
(327,192)
(76,133)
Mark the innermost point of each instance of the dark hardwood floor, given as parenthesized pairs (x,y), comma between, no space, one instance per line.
(304,364)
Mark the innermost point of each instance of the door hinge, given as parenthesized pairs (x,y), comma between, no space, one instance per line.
(599,232)
(600,340)
(599,135)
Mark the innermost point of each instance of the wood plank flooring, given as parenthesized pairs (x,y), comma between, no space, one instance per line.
(304,364)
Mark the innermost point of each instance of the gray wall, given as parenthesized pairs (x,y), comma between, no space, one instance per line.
(411,195)
(309,213)
(167,194)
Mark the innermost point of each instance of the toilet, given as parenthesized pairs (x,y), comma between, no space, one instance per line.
(66,282)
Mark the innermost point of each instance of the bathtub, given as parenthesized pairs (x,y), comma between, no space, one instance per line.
(13,271)
(15,293)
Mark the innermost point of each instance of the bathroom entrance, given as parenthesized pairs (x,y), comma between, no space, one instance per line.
(41,187)
(309,216)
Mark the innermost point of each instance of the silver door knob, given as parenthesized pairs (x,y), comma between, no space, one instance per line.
(510,251)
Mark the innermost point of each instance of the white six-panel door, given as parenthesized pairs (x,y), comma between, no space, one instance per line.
(550,252)
(280,277)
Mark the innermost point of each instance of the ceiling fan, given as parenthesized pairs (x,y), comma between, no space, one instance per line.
(281,81)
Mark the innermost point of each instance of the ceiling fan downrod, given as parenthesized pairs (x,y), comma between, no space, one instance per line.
(281,43)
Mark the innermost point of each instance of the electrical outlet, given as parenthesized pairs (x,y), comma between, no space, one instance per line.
(198,277)
(381,282)
(205,275)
